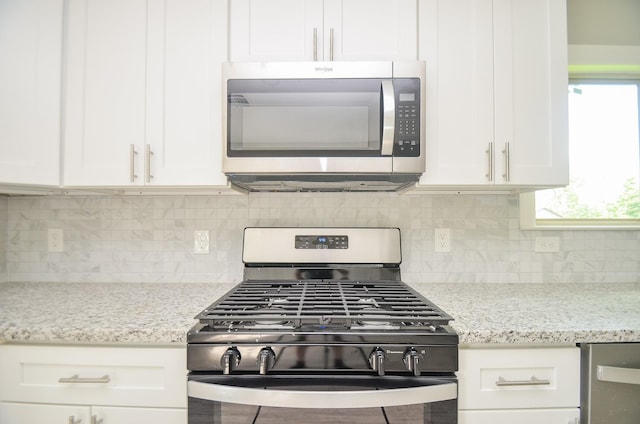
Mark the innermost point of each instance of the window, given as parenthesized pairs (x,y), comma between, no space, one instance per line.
(604,155)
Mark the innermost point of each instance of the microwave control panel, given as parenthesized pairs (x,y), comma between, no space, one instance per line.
(407,136)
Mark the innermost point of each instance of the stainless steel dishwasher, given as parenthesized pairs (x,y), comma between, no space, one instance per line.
(610,391)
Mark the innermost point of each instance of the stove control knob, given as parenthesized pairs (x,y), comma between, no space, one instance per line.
(230,360)
(266,359)
(376,360)
(412,361)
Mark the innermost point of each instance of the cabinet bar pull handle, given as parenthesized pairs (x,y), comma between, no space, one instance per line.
(507,162)
(75,379)
(95,419)
(533,382)
(489,152)
(147,163)
(315,44)
(618,374)
(331,45)
(72,420)
(132,163)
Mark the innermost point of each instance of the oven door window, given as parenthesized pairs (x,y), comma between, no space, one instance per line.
(356,405)
(304,117)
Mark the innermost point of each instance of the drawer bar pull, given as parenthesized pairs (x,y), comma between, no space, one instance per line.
(533,382)
(75,379)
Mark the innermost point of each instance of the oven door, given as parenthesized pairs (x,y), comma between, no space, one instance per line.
(322,399)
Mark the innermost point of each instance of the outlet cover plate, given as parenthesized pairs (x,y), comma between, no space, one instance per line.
(442,239)
(201,242)
(55,240)
(547,244)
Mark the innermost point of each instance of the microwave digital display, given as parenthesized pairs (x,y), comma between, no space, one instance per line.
(407,97)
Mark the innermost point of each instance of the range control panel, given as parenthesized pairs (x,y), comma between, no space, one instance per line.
(322,242)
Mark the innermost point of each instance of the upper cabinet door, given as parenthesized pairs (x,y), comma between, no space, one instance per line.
(370,30)
(187,45)
(531,74)
(275,30)
(317,30)
(457,45)
(105,92)
(30,72)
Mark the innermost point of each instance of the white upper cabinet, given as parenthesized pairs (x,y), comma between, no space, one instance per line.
(187,45)
(531,91)
(456,44)
(30,69)
(496,93)
(143,92)
(322,30)
(105,92)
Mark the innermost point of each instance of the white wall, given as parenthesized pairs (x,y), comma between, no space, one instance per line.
(133,239)
(610,22)
(3,238)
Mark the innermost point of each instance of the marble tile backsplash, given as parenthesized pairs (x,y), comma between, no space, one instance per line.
(150,238)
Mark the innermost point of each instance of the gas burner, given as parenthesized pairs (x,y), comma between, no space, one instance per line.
(272,315)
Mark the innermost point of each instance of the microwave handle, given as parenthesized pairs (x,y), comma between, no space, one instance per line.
(388,117)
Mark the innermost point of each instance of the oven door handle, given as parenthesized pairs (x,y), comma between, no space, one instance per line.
(322,399)
(618,374)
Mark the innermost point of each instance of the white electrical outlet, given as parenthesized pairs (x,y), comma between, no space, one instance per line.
(547,244)
(201,242)
(442,237)
(55,240)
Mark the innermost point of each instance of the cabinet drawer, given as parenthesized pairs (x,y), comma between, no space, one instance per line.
(124,376)
(519,378)
(521,416)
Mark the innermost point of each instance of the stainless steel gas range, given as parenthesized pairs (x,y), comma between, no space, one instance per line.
(322,330)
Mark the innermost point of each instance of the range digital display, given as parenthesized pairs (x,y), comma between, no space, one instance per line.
(322,242)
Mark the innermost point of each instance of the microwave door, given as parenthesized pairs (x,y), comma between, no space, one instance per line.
(313,118)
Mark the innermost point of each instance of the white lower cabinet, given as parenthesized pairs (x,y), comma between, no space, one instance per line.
(30,413)
(521,416)
(91,385)
(522,384)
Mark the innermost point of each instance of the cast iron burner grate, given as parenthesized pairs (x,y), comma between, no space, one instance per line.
(345,303)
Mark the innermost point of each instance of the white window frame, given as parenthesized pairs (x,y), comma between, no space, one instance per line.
(588,62)
(528,219)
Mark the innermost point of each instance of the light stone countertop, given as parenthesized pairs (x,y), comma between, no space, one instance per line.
(162,313)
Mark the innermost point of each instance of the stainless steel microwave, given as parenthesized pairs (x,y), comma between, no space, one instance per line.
(323,126)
